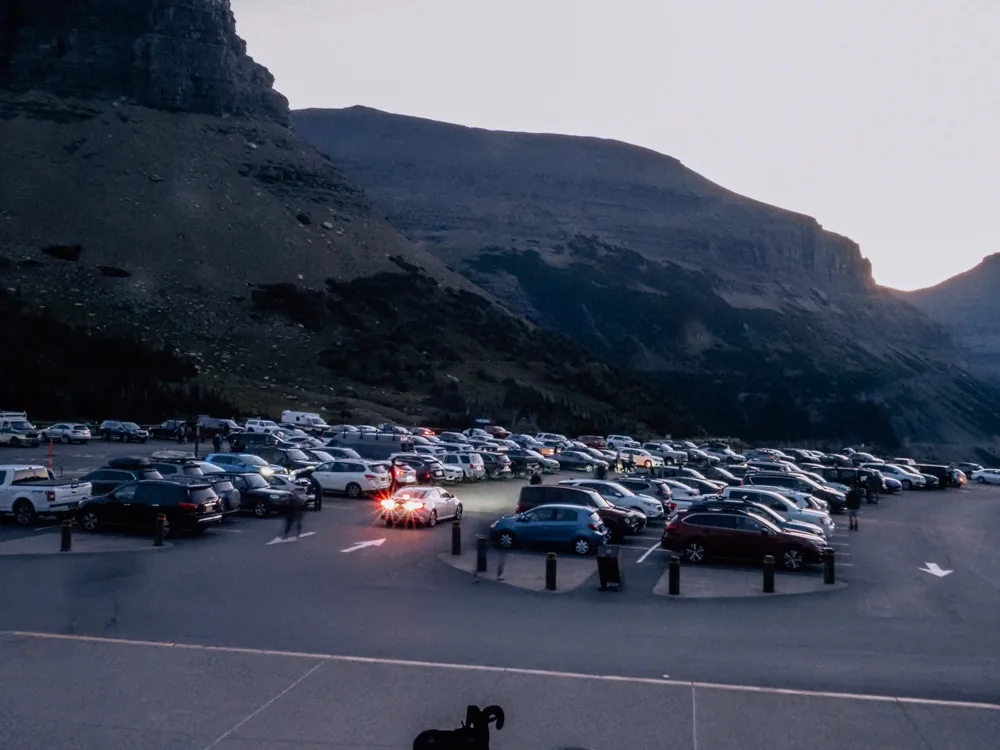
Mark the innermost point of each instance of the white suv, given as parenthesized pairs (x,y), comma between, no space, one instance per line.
(262,425)
(351,477)
(471,463)
(906,477)
(780,503)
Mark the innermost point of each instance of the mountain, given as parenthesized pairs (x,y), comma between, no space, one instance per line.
(168,245)
(762,322)
(968,306)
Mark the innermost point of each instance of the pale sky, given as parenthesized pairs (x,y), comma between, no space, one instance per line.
(881,118)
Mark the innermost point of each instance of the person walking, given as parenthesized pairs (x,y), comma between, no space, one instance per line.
(854,496)
(874,485)
(217,442)
(293,516)
(536,477)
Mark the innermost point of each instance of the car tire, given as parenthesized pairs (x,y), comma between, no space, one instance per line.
(981,480)
(458,512)
(353,490)
(65,440)
(907,484)
(792,559)
(506,540)
(15,441)
(588,468)
(582,547)
(89,521)
(648,464)
(24,513)
(432,521)
(261,509)
(695,553)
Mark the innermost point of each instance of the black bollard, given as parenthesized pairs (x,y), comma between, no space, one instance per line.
(66,543)
(769,575)
(158,530)
(675,575)
(480,554)
(829,571)
(550,571)
(456,537)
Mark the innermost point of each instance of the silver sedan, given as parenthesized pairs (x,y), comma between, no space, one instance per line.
(423,506)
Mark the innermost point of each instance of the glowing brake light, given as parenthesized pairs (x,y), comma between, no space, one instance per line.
(412,505)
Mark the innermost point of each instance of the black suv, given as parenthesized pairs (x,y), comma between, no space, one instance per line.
(221,484)
(249,442)
(167,430)
(523,462)
(498,466)
(127,432)
(257,496)
(188,507)
(618,520)
(429,470)
(120,471)
(946,476)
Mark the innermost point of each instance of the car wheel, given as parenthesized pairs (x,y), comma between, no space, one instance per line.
(695,553)
(261,509)
(791,559)
(65,440)
(648,464)
(588,468)
(506,540)
(89,521)
(15,441)
(24,513)
(582,547)
(981,480)
(907,484)
(433,520)
(354,490)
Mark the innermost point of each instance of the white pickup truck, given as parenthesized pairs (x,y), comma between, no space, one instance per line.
(29,491)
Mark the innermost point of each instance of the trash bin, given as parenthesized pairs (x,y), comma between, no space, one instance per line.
(609,569)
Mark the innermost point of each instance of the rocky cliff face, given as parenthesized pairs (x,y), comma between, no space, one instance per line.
(175,55)
(968,306)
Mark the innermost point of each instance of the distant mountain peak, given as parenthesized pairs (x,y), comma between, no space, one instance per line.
(173,55)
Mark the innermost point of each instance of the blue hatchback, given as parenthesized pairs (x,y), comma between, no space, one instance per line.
(551,526)
(244,463)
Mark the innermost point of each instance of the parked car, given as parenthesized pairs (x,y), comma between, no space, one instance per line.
(783,506)
(704,486)
(221,484)
(667,453)
(650,487)
(246,441)
(427,468)
(167,430)
(968,468)
(522,461)
(548,526)
(593,441)
(420,506)
(341,453)
(209,427)
(640,457)
(169,469)
(257,495)
(619,521)
(239,463)
(721,534)
(619,495)
(292,459)
(120,471)
(261,425)
(986,476)
(945,475)
(757,509)
(471,463)
(67,432)
(577,460)
(717,473)
(187,507)
(28,491)
(498,465)
(126,432)
(16,430)
(909,478)
(354,478)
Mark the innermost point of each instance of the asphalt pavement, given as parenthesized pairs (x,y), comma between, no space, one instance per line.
(201,645)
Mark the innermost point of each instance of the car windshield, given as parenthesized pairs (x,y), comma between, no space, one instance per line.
(416,492)
(255,481)
(322,456)
(130,425)
(21,424)
(253,460)
(296,455)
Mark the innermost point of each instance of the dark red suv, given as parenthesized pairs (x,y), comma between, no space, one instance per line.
(702,535)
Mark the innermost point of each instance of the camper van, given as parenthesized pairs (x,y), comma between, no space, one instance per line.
(304,420)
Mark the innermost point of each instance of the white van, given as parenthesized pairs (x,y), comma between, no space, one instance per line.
(306,420)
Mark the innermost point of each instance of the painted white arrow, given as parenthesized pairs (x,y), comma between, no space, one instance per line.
(935,570)
(362,545)
(282,540)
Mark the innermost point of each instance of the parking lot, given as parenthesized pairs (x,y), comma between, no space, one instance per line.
(360,636)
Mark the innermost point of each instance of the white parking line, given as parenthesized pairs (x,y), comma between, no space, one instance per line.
(650,551)
(511,670)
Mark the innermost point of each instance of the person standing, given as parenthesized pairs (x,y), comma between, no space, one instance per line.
(536,478)
(217,442)
(853,503)
(293,516)
(874,485)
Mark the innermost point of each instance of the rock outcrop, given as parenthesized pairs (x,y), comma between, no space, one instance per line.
(174,55)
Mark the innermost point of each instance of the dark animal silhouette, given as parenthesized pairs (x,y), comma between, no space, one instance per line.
(474,734)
